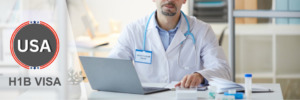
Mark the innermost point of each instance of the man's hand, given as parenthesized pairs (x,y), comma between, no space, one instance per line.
(192,80)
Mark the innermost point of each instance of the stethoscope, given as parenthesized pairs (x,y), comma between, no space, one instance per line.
(186,67)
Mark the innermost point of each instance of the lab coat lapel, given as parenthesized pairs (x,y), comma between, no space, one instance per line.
(179,35)
(154,38)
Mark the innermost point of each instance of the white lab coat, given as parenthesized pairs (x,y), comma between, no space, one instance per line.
(210,62)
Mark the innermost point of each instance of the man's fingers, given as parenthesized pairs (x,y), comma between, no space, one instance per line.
(194,83)
(183,81)
(197,82)
(178,84)
(188,81)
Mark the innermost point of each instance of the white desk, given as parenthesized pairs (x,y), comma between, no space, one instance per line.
(170,95)
(88,94)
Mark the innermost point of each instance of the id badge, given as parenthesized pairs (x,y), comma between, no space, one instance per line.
(143,56)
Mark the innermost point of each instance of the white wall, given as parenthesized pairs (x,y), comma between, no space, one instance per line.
(125,11)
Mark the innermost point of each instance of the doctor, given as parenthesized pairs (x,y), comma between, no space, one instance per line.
(169,46)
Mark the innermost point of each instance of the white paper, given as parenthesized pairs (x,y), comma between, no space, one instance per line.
(225,85)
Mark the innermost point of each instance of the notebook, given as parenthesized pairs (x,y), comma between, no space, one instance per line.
(224,85)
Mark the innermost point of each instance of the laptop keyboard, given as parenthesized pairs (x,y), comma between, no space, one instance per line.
(153,89)
(150,88)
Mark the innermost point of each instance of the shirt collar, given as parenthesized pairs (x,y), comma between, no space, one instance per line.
(172,30)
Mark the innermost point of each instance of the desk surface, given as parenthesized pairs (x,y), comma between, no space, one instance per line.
(170,95)
(88,94)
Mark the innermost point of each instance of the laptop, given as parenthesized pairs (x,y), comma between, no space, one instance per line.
(114,75)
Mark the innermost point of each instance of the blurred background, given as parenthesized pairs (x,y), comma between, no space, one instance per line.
(266,47)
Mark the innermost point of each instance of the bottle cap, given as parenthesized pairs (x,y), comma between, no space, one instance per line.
(237,95)
(248,75)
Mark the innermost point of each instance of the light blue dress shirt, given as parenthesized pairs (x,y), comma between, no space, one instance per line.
(167,37)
